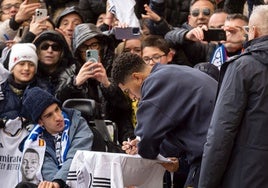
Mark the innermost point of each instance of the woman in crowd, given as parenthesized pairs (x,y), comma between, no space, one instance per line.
(88,79)
(54,57)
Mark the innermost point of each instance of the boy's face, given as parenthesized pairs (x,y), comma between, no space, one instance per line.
(52,119)
(153,55)
(23,72)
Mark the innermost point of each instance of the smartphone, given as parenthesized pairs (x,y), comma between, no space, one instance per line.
(214,35)
(40,14)
(92,55)
(127,33)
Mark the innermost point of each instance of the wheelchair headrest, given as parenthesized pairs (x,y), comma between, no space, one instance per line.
(85,106)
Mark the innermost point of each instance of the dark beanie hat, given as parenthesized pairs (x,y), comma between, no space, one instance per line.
(35,101)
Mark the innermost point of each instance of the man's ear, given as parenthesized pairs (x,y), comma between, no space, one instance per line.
(170,55)
(137,76)
(255,31)
(40,122)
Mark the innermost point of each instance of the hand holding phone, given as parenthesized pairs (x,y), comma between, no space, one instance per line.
(214,35)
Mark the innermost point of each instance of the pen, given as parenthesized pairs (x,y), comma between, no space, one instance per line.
(130,146)
(6,37)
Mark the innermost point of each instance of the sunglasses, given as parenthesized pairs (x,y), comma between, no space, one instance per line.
(205,12)
(55,47)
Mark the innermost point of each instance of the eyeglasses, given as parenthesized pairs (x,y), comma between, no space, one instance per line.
(55,47)
(6,8)
(205,12)
(92,46)
(155,58)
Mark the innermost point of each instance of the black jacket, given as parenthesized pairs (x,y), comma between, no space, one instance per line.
(112,102)
(51,80)
(235,154)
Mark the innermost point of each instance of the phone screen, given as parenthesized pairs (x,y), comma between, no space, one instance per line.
(214,35)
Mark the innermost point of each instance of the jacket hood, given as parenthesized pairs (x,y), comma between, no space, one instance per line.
(84,32)
(258,48)
(50,35)
(66,11)
(55,36)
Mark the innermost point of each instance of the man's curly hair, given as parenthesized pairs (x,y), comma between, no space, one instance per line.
(124,65)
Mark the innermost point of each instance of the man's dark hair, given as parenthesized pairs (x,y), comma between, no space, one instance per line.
(155,41)
(237,16)
(126,64)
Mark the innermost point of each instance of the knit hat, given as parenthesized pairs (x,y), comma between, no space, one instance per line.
(22,52)
(35,101)
(67,11)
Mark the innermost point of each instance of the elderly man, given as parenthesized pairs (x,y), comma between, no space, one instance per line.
(235,154)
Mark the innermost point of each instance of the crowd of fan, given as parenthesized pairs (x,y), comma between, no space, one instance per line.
(51,53)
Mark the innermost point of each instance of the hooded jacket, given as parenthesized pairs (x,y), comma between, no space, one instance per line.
(235,154)
(51,80)
(113,104)
(86,31)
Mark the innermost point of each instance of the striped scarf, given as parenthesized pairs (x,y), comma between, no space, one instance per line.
(65,142)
